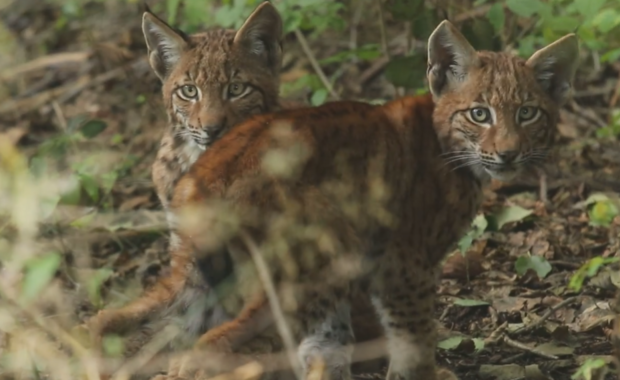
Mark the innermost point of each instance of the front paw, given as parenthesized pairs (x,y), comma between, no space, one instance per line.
(205,361)
(445,374)
(210,344)
(98,325)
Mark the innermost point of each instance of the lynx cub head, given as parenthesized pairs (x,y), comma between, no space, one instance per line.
(496,113)
(214,80)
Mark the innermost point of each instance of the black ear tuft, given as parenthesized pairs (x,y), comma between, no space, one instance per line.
(261,36)
(165,44)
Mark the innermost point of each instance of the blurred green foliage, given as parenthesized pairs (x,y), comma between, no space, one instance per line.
(522,26)
(519,25)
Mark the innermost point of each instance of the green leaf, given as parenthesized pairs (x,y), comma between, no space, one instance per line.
(524,8)
(588,8)
(478,343)
(602,213)
(450,343)
(48,205)
(39,272)
(479,225)
(482,34)
(83,221)
(318,97)
(470,303)
(408,72)
(90,186)
(611,56)
(405,10)
(587,368)
(607,20)
(454,342)
(74,123)
(510,214)
(113,345)
(364,53)
(73,195)
(537,263)
(496,17)
(92,128)
(171,8)
(424,24)
(589,269)
(93,286)
(108,180)
(117,139)
(595,197)
(563,24)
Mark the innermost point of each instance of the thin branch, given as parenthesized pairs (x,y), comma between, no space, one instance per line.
(146,353)
(384,43)
(499,335)
(546,316)
(276,308)
(52,328)
(521,346)
(315,64)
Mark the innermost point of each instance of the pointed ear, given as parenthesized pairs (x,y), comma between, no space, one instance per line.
(165,45)
(261,36)
(450,58)
(555,66)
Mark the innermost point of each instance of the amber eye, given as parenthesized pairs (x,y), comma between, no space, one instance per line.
(236,89)
(480,115)
(527,113)
(189,92)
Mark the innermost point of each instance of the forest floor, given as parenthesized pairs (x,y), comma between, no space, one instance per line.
(503,322)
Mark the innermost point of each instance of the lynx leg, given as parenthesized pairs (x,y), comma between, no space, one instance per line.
(226,338)
(155,298)
(332,342)
(406,313)
(120,320)
(445,374)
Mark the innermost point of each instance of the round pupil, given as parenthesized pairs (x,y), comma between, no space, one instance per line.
(480,114)
(236,88)
(525,111)
(189,90)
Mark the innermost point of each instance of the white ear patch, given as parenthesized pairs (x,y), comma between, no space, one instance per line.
(450,58)
(167,47)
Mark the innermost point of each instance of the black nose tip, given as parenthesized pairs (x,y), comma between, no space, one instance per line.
(214,129)
(508,156)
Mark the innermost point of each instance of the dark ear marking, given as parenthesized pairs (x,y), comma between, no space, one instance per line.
(450,59)
(261,36)
(165,44)
(555,66)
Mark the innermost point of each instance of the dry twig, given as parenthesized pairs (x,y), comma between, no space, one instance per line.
(274,303)
(545,316)
(315,64)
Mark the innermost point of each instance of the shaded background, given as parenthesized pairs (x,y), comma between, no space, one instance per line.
(81,118)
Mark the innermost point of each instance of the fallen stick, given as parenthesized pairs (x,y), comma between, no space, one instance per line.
(43,62)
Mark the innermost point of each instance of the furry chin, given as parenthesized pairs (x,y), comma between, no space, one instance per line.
(504,176)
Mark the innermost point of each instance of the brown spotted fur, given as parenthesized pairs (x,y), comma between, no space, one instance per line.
(371,199)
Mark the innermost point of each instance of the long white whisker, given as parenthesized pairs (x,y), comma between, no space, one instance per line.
(457,159)
(466,164)
(455,152)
